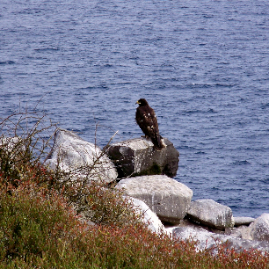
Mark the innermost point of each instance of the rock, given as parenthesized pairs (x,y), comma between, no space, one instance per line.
(13,147)
(210,213)
(238,221)
(147,216)
(208,240)
(11,143)
(14,154)
(259,229)
(241,232)
(84,160)
(168,198)
(138,157)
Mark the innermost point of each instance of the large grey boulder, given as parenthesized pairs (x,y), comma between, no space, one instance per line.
(138,157)
(211,214)
(79,158)
(168,198)
(259,229)
(209,240)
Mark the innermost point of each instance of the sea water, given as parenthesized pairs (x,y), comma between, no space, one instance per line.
(202,65)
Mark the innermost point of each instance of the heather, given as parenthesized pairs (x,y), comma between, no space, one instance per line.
(44,222)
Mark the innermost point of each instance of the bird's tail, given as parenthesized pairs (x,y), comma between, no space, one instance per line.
(158,143)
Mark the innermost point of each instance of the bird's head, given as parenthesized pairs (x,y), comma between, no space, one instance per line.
(142,102)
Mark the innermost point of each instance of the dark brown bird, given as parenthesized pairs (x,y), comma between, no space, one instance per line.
(147,121)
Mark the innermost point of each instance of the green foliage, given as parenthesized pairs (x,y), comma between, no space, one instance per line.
(34,223)
(106,206)
(39,230)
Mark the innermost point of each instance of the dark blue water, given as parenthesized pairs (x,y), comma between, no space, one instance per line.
(202,65)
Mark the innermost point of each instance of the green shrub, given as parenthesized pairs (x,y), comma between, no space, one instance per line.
(38,229)
(34,223)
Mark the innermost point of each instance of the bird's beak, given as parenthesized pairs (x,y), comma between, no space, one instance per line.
(137,102)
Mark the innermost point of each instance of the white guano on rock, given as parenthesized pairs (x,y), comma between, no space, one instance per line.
(82,159)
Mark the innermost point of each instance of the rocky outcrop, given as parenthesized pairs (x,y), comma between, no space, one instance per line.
(168,198)
(158,199)
(208,240)
(138,157)
(79,158)
(254,236)
(210,213)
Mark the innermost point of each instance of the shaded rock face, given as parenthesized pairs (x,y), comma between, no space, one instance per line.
(138,157)
(211,214)
(72,154)
(168,198)
(147,216)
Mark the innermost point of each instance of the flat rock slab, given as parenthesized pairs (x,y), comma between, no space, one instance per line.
(138,157)
(168,198)
(210,213)
(79,158)
(239,221)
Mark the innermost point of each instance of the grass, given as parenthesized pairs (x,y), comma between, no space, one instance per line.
(42,225)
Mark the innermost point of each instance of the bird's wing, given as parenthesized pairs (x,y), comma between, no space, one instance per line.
(149,122)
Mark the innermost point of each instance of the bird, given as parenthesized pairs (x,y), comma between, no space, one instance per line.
(147,121)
